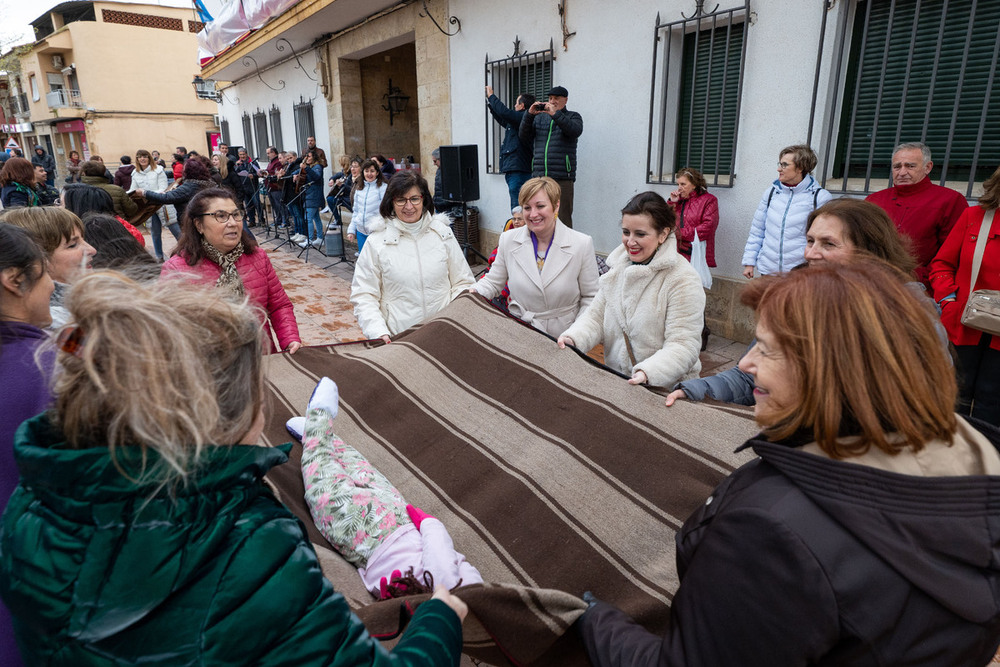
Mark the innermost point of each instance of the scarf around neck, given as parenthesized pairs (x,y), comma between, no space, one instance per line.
(230,278)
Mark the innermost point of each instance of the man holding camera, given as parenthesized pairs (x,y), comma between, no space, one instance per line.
(515,155)
(553,131)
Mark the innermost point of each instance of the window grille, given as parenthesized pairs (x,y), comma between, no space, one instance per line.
(510,77)
(224,129)
(275,115)
(304,126)
(248,135)
(260,133)
(697,79)
(916,70)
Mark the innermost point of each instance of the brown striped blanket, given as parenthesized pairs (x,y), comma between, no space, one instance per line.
(553,475)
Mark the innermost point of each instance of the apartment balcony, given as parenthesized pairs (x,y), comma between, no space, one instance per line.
(19,105)
(63,98)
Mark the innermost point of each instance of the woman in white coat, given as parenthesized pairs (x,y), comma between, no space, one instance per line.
(550,269)
(650,309)
(149,176)
(369,191)
(777,237)
(411,266)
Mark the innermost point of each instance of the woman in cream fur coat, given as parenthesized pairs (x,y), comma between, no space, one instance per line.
(650,307)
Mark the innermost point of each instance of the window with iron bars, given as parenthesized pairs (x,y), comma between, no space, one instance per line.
(695,94)
(304,125)
(248,134)
(275,117)
(511,77)
(916,70)
(260,133)
(224,130)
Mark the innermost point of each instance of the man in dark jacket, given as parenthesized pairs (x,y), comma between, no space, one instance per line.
(515,155)
(246,171)
(553,131)
(47,162)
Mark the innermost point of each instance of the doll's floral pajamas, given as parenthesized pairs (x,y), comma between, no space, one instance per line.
(353,504)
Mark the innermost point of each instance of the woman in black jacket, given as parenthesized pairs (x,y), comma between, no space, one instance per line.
(197,177)
(17,180)
(866,532)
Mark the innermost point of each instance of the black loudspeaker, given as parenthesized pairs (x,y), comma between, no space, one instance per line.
(460,173)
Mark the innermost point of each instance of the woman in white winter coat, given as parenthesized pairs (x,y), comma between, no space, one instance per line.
(149,176)
(368,194)
(777,240)
(650,308)
(411,266)
(549,268)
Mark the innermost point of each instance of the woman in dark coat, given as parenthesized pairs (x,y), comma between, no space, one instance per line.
(17,184)
(866,532)
(197,177)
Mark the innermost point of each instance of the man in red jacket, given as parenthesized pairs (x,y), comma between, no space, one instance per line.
(923,211)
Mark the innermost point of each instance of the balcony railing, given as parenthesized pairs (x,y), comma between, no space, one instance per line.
(64,97)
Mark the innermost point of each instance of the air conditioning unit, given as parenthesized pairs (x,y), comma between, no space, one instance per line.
(57,61)
(217,119)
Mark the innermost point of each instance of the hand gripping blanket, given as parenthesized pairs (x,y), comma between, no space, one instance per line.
(553,475)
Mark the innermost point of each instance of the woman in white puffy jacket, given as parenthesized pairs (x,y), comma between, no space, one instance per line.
(149,176)
(411,266)
(777,240)
(650,307)
(368,194)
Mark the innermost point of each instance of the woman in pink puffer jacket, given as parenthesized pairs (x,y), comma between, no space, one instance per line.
(214,247)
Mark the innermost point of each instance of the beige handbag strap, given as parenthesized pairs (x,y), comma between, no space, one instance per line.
(977,256)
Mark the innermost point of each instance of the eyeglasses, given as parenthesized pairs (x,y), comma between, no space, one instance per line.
(224,216)
(786,165)
(402,201)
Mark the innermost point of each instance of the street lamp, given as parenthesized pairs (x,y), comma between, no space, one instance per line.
(397,101)
(204,89)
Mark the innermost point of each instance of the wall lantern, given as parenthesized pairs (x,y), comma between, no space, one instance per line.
(204,89)
(396,101)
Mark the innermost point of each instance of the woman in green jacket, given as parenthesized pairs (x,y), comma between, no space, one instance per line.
(142,532)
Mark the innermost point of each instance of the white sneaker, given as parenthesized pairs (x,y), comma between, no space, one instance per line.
(325,210)
(298,238)
(317,243)
(357,254)
(302,244)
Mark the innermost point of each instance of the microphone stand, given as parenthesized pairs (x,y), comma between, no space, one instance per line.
(308,245)
(343,246)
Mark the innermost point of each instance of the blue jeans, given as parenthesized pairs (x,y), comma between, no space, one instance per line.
(361,241)
(156,231)
(298,218)
(515,179)
(314,224)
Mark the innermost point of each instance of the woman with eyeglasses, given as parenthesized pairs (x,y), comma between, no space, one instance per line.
(777,238)
(411,266)
(215,247)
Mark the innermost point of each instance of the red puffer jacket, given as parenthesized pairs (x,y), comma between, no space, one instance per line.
(699,212)
(260,283)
